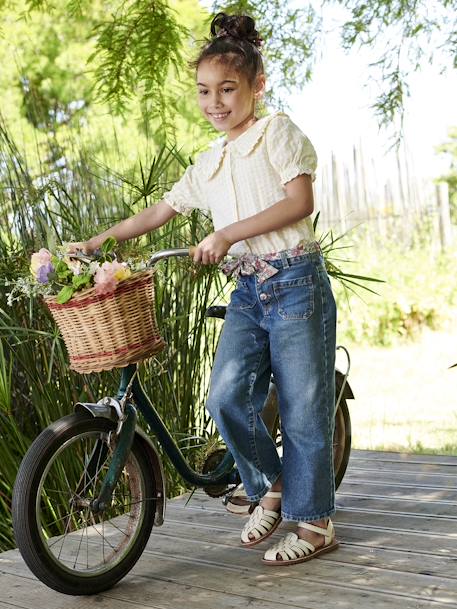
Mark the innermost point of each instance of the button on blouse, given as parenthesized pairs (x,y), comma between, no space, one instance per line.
(237,179)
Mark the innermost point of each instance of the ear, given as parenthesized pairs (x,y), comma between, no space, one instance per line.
(259,87)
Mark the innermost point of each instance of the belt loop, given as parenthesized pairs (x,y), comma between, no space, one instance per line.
(284,260)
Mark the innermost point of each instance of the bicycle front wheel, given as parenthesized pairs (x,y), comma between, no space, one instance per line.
(66,544)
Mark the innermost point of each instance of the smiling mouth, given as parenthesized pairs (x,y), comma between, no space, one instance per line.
(220,115)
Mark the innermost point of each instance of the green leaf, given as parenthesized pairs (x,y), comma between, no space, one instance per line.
(108,245)
(65,294)
(80,281)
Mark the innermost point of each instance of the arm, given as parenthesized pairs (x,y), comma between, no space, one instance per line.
(298,204)
(139,224)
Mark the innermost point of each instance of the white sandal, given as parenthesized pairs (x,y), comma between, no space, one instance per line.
(262,523)
(292,549)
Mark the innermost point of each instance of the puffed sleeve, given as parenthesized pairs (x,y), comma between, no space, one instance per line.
(289,150)
(187,193)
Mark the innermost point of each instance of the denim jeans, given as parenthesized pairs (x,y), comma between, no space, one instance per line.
(285,326)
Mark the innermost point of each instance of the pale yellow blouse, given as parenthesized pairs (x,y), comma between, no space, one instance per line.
(238,179)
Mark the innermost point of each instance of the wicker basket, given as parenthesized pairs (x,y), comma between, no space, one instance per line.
(111,330)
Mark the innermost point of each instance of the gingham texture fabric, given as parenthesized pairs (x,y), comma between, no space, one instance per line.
(240,178)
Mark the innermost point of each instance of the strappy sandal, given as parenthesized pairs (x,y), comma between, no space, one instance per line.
(261,524)
(236,502)
(293,550)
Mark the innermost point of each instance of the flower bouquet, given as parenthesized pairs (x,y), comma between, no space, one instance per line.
(104,308)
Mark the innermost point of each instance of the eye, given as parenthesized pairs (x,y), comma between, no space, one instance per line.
(202,92)
(227,89)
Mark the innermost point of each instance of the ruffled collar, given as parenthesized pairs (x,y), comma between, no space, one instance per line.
(241,146)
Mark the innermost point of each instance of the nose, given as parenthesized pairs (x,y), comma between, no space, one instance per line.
(215,100)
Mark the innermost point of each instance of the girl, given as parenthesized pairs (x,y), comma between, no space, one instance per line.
(257,184)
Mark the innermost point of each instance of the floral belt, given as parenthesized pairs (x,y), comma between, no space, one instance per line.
(248,264)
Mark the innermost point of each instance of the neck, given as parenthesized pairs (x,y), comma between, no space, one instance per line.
(242,127)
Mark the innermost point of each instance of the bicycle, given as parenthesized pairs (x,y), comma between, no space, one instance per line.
(92,485)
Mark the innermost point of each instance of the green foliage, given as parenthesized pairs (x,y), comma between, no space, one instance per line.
(138,54)
(134,51)
(404,35)
(417,292)
(50,88)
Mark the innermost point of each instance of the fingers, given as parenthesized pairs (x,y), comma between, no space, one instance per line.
(206,256)
(79,246)
(72,248)
(212,249)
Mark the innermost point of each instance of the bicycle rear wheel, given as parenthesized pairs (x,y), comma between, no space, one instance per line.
(66,544)
(341,439)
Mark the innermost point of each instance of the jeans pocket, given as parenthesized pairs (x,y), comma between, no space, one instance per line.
(295,297)
(242,297)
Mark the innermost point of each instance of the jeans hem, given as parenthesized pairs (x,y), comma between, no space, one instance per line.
(307,517)
(265,489)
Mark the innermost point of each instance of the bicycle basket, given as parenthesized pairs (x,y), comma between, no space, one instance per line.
(113,330)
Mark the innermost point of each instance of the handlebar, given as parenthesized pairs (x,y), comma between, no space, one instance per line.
(179,251)
(160,255)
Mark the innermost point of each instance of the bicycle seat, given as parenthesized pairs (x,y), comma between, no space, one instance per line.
(217,311)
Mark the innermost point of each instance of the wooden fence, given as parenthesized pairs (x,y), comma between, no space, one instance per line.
(385,198)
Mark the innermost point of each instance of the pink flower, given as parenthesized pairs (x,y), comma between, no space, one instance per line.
(108,276)
(105,285)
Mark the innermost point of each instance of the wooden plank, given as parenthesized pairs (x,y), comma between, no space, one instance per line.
(214,564)
(389,505)
(354,556)
(411,468)
(397,561)
(418,523)
(29,593)
(302,585)
(372,536)
(378,455)
(347,501)
(418,493)
(136,592)
(425,480)
(333,569)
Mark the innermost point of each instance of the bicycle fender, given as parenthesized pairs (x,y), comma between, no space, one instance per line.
(105,411)
(108,412)
(339,379)
(156,463)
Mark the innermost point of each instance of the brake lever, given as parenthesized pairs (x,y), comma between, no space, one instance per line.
(79,255)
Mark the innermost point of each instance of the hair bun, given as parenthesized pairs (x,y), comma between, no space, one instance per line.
(236,26)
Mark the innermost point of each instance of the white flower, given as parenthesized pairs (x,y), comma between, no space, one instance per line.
(93,267)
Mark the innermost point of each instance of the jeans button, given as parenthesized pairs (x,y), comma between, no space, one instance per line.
(264,297)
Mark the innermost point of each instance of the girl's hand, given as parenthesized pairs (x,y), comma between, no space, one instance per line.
(212,249)
(81,246)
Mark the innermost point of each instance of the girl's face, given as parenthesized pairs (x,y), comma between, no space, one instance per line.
(226,98)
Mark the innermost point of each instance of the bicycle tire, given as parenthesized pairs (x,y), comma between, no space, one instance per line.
(341,439)
(66,446)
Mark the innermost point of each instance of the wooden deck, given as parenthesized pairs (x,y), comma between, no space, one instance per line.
(397,522)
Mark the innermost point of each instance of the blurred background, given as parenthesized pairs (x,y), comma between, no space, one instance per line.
(99,118)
